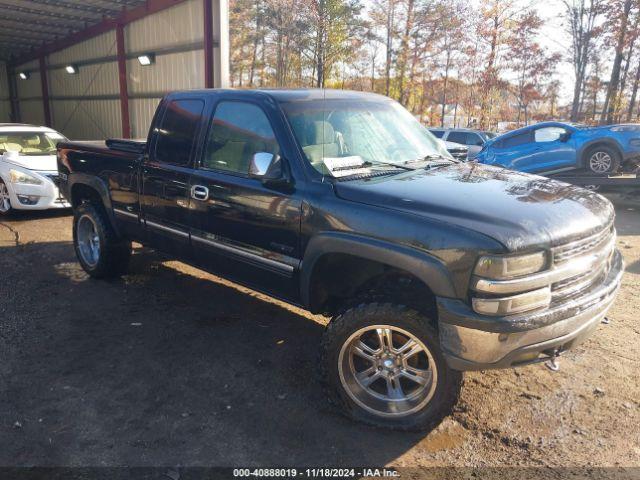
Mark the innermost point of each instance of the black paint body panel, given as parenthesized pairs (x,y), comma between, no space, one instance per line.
(433,223)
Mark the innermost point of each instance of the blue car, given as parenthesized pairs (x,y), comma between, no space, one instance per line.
(553,146)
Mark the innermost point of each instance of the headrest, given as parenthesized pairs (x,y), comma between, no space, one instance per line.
(12,147)
(33,141)
(320,132)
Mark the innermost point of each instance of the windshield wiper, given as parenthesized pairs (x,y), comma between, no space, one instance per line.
(435,160)
(433,157)
(402,165)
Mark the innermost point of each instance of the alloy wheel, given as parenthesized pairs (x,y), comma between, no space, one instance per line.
(387,370)
(88,240)
(600,162)
(5,201)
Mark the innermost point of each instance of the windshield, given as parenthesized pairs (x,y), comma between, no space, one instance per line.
(29,143)
(342,137)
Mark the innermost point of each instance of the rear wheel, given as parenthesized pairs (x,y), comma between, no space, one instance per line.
(100,252)
(383,366)
(5,200)
(602,159)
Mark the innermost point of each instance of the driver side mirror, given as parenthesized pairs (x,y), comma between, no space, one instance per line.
(268,167)
(564,137)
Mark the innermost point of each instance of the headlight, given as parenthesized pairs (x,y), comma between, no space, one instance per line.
(625,128)
(514,304)
(21,177)
(499,267)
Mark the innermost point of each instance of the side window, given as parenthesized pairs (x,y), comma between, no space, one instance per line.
(474,139)
(548,134)
(437,133)
(516,140)
(238,131)
(177,131)
(458,137)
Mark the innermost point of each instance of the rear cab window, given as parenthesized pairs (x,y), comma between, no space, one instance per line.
(178,131)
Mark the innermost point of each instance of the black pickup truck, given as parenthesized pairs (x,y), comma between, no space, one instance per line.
(342,203)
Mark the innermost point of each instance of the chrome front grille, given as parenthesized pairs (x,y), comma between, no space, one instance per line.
(584,246)
(599,247)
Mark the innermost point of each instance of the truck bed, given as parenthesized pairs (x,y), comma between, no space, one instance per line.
(113,163)
(108,146)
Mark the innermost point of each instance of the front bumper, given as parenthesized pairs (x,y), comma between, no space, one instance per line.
(36,197)
(476,342)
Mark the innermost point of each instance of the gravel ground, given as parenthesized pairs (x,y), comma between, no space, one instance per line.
(172,366)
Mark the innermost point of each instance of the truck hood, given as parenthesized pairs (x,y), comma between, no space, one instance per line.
(519,210)
(44,163)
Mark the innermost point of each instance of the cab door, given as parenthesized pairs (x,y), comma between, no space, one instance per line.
(555,149)
(242,227)
(514,151)
(166,172)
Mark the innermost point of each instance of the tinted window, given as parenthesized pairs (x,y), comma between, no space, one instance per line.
(437,133)
(457,137)
(238,131)
(178,130)
(548,134)
(515,140)
(474,139)
(465,138)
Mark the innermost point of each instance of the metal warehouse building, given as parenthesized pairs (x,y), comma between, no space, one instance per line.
(98,68)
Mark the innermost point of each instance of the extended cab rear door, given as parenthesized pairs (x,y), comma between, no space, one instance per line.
(241,227)
(165,193)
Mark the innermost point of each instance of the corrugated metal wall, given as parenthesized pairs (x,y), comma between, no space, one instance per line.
(177,26)
(30,95)
(5,105)
(87,105)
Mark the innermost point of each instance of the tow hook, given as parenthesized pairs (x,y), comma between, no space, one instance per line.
(553,363)
(605,321)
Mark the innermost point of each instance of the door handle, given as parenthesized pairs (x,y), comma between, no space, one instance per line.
(198,192)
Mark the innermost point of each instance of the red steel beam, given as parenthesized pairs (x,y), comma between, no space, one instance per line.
(122,75)
(208,43)
(44,84)
(106,25)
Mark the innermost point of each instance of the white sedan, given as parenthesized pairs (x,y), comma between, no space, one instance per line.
(28,168)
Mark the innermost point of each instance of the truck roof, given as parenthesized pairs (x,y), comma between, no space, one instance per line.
(291,94)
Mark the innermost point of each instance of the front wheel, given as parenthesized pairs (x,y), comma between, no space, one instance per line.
(382,364)
(5,199)
(100,252)
(602,160)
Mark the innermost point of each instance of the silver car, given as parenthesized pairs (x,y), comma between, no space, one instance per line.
(473,139)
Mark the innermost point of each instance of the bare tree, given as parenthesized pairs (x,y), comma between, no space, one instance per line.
(529,61)
(582,17)
(621,25)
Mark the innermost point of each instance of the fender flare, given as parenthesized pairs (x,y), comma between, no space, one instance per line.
(425,267)
(97,184)
(603,140)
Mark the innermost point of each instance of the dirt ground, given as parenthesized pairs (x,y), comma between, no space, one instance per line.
(175,367)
